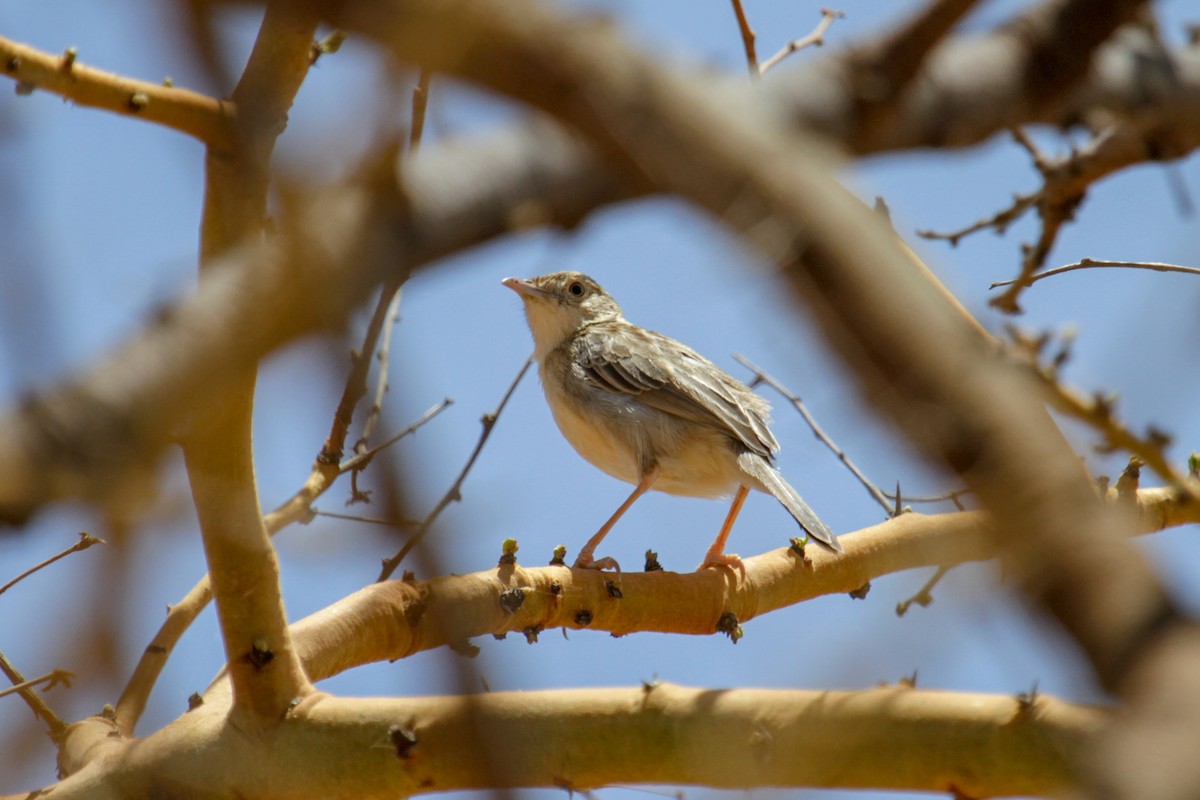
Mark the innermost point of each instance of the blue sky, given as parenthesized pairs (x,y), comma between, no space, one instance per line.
(101,218)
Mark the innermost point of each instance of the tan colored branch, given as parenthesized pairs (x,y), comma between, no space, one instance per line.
(206,118)
(180,616)
(243,566)
(393,620)
(971,745)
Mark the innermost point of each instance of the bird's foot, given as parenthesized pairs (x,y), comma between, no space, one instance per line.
(717,560)
(585,561)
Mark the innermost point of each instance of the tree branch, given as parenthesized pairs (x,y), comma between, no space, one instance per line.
(244,570)
(394,619)
(973,745)
(205,118)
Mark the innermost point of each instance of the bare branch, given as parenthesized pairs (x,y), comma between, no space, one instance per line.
(747,39)
(818,431)
(1091,263)
(57,728)
(393,619)
(51,679)
(454,493)
(814,39)
(86,540)
(924,595)
(420,101)
(205,118)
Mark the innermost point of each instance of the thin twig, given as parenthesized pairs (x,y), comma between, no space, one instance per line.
(924,595)
(420,102)
(359,460)
(1088,263)
(947,497)
(51,679)
(86,540)
(798,404)
(454,493)
(998,222)
(356,382)
(814,39)
(391,523)
(58,728)
(747,38)
(388,325)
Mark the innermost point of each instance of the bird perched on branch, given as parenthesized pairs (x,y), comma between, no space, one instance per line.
(650,410)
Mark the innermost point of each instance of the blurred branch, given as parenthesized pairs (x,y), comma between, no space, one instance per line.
(420,101)
(57,728)
(86,540)
(454,493)
(83,438)
(1095,410)
(974,745)
(814,39)
(206,118)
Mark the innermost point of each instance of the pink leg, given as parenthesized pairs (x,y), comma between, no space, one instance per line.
(716,555)
(585,560)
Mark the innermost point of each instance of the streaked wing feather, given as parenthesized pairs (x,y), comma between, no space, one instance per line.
(671,377)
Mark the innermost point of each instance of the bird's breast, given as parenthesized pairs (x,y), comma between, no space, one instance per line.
(621,436)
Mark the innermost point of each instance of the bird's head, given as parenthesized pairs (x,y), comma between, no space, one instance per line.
(558,304)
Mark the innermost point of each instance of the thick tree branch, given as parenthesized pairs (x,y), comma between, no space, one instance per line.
(243,567)
(394,619)
(973,745)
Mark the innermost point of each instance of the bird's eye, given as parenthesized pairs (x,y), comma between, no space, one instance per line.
(576,289)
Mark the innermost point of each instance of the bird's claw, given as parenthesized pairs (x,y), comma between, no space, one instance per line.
(585,561)
(718,560)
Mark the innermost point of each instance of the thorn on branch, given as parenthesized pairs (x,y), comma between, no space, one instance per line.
(330,44)
(403,739)
(728,624)
(652,563)
(68,59)
(512,599)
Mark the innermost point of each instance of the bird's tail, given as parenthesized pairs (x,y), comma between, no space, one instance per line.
(769,479)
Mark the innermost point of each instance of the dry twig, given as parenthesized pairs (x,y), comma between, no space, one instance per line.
(86,540)
(454,493)
(762,377)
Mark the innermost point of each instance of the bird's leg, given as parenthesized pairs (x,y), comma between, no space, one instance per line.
(716,555)
(585,560)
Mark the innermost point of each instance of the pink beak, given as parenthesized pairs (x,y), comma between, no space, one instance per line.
(522,287)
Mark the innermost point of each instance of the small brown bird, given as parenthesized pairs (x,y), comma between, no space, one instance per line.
(650,410)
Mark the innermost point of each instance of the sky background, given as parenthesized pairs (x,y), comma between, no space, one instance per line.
(98,224)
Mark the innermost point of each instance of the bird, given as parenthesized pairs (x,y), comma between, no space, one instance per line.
(651,411)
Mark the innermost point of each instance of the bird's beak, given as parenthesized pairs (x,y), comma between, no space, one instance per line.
(523,287)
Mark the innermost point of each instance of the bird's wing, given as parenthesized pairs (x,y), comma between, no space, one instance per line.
(669,376)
